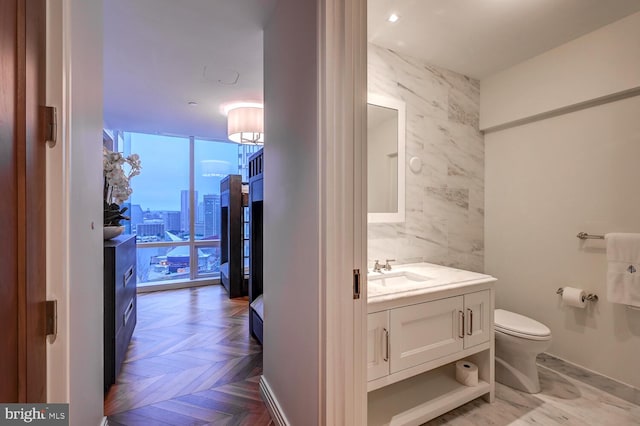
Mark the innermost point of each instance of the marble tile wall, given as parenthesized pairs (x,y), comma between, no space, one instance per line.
(445,200)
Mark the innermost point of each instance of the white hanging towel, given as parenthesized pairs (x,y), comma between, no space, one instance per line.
(623,268)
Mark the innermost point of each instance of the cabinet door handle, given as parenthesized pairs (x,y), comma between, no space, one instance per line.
(387,348)
(127,313)
(470,331)
(461,324)
(127,276)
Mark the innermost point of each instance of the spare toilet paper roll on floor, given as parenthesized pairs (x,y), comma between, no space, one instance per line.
(575,297)
(467,373)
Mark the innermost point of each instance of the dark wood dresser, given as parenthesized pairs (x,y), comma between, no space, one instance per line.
(232,239)
(256,201)
(119,302)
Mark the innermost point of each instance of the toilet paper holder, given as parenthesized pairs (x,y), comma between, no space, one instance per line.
(589,297)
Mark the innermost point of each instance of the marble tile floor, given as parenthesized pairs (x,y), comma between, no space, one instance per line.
(566,398)
(604,383)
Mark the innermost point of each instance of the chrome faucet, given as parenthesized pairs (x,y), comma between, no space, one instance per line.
(387,265)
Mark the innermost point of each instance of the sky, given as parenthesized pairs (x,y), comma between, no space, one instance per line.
(165,169)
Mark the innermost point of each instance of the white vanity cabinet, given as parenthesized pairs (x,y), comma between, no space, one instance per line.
(412,335)
(413,345)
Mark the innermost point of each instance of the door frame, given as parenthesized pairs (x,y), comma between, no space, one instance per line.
(342,133)
(23,169)
(343,215)
(74,226)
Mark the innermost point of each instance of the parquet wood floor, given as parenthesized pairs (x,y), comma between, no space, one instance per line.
(190,362)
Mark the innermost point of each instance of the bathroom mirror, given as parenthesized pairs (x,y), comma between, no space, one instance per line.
(385,159)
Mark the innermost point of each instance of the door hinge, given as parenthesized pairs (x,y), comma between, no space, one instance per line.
(356,283)
(49,125)
(52,319)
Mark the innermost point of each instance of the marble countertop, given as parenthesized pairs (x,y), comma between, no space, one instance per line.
(415,279)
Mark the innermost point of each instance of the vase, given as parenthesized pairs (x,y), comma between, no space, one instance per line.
(112,231)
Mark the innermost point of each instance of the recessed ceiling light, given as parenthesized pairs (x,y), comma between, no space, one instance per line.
(192,103)
(393,18)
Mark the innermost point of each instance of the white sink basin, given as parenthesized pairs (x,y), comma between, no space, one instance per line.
(397,279)
(414,279)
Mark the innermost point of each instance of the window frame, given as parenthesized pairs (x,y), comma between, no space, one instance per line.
(195,277)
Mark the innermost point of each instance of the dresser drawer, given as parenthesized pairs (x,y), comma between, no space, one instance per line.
(123,336)
(125,289)
(120,302)
(124,279)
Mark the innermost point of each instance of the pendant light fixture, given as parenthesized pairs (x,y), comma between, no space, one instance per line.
(245,123)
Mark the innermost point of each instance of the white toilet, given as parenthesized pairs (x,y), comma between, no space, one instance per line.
(519,340)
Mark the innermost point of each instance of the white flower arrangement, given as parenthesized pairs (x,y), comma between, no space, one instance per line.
(116,183)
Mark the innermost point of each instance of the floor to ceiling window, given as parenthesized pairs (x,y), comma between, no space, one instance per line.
(175,205)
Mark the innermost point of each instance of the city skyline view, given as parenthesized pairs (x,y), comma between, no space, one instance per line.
(207,218)
(165,168)
(160,204)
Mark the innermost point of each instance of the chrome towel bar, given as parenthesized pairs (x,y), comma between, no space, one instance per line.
(585,236)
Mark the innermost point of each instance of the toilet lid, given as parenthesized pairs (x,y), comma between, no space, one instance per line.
(512,323)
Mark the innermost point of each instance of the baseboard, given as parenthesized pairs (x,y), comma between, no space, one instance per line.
(277,415)
(593,378)
(175,285)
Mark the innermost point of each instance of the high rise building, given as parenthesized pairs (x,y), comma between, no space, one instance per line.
(150,228)
(244,152)
(217,218)
(137,215)
(184,209)
(172,221)
(211,215)
(200,213)
(199,229)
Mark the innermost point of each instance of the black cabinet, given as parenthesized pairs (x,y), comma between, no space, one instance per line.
(119,302)
(256,199)
(233,201)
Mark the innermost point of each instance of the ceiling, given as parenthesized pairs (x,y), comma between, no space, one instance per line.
(480,37)
(159,55)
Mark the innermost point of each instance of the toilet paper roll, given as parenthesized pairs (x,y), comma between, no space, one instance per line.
(467,373)
(575,297)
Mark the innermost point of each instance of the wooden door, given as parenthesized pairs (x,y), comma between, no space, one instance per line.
(22,209)
(424,332)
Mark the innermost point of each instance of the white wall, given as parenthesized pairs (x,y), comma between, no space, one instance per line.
(603,62)
(550,179)
(291,211)
(75,371)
